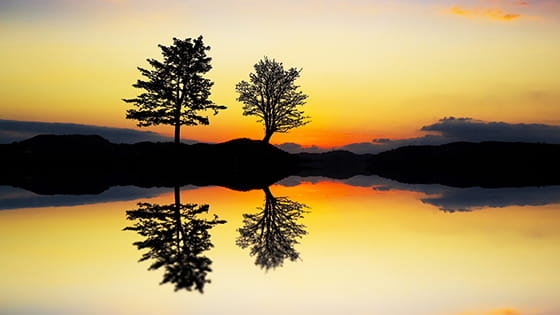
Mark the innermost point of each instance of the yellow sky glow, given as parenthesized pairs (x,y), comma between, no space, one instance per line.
(371,69)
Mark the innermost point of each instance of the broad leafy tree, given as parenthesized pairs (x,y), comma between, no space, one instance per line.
(176,237)
(174,91)
(273,232)
(272,96)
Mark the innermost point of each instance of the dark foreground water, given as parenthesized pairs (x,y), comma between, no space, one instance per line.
(303,246)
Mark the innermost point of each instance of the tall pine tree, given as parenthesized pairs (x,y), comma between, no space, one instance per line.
(174,90)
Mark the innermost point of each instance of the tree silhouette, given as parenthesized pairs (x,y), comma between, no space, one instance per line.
(273,232)
(272,96)
(174,90)
(176,238)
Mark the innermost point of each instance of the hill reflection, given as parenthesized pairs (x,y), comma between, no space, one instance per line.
(449,199)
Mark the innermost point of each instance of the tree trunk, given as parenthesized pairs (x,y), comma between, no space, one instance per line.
(177,133)
(268,195)
(177,191)
(267,136)
(180,232)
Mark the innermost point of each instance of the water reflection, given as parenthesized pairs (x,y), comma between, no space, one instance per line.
(417,260)
(452,199)
(447,199)
(475,198)
(273,232)
(176,237)
(17,198)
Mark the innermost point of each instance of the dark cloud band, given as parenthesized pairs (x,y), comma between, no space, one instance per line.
(13,130)
(451,129)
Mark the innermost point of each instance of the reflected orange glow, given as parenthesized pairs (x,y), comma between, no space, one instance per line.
(393,255)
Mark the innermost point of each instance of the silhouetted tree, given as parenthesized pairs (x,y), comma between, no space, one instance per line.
(273,232)
(272,96)
(176,238)
(174,90)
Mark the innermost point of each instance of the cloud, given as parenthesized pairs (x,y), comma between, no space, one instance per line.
(492,13)
(447,130)
(376,146)
(468,129)
(362,148)
(14,130)
(366,147)
(292,181)
(296,148)
(381,140)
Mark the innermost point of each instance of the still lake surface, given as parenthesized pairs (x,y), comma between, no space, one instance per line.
(370,246)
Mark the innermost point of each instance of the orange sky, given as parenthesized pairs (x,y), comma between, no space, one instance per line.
(372,69)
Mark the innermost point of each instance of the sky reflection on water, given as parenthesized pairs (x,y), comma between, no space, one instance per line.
(372,247)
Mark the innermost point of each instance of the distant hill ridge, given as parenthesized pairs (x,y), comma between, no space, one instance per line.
(51,160)
(487,164)
(46,162)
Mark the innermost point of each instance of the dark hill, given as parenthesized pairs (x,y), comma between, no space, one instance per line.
(462,164)
(90,164)
(63,141)
(75,164)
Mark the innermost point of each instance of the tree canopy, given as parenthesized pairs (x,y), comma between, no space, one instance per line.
(273,97)
(174,90)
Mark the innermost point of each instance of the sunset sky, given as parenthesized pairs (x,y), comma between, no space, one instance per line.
(372,69)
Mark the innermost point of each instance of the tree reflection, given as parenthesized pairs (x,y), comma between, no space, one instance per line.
(176,236)
(273,232)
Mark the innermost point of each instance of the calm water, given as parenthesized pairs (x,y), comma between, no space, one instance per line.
(359,246)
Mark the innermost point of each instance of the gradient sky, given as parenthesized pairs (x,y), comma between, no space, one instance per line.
(373,69)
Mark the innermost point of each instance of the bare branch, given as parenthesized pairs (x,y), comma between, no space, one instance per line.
(272,96)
